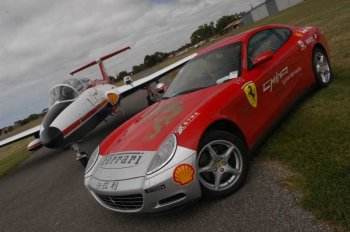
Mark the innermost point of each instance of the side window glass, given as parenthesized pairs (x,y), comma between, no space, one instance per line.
(282,33)
(266,40)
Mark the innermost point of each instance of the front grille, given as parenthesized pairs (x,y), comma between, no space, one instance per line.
(127,202)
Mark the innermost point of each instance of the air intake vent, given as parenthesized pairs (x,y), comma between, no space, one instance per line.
(127,202)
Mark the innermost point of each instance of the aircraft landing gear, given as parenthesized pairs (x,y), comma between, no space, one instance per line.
(152,95)
(82,157)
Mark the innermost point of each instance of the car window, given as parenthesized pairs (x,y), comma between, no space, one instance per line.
(215,67)
(266,40)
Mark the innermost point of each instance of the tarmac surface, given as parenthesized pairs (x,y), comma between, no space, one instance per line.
(46,193)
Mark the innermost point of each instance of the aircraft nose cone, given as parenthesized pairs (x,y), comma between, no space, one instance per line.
(51,137)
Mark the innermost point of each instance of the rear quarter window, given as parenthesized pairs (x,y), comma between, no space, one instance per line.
(266,40)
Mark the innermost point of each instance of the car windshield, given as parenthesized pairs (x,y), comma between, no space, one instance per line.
(210,69)
(67,91)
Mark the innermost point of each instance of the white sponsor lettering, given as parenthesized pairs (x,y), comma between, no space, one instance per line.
(268,85)
(307,42)
(291,75)
(305,30)
(282,76)
(186,123)
(121,161)
(105,185)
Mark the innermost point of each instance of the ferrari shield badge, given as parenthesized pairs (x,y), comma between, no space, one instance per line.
(250,91)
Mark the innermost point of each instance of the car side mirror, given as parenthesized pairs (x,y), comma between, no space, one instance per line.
(262,58)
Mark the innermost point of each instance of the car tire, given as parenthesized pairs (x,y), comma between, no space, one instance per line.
(321,67)
(221,172)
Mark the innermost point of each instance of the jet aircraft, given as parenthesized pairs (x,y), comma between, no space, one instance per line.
(78,105)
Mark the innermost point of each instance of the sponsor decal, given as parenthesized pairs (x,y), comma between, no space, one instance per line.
(291,75)
(164,116)
(251,93)
(304,44)
(305,30)
(268,85)
(310,40)
(282,76)
(106,185)
(155,189)
(186,123)
(183,174)
(122,160)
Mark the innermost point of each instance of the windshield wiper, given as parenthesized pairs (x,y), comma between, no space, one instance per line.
(188,91)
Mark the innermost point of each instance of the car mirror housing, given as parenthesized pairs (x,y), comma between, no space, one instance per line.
(262,58)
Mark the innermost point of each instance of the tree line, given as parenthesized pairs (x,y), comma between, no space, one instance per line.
(202,33)
(22,122)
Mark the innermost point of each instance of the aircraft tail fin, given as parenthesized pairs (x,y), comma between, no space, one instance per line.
(99,61)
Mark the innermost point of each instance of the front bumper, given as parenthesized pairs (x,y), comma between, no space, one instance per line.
(153,193)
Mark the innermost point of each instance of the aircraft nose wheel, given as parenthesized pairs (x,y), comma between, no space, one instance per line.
(82,157)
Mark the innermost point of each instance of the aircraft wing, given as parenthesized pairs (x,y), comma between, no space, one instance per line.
(123,91)
(128,89)
(30,132)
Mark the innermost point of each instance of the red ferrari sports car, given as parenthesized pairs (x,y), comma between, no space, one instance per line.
(197,140)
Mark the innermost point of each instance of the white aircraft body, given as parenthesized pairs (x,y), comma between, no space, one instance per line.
(78,105)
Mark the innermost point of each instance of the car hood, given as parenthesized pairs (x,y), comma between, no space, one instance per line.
(151,128)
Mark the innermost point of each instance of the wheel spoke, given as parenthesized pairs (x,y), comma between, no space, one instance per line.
(218,176)
(228,153)
(223,168)
(318,68)
(321,59)
(208,168)
(212,152)
(232,170)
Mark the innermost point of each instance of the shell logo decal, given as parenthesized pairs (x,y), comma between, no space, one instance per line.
(183,174)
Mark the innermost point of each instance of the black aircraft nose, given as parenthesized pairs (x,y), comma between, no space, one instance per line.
(51,137)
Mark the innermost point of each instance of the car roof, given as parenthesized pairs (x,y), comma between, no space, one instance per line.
(238,38)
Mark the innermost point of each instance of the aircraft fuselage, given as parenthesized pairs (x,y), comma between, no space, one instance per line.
(69,121)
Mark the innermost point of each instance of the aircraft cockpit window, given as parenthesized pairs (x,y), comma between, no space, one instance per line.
(77,84)
(62,93)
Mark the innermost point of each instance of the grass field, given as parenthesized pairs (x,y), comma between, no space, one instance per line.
(315,138)
(13,155)
(19,129)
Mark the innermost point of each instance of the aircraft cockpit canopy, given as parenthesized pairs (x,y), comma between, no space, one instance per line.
(68,90)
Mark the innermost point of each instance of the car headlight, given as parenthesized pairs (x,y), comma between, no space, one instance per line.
(164,154)
(92,159)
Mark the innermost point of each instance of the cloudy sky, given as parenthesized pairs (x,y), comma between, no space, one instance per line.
(43,40)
